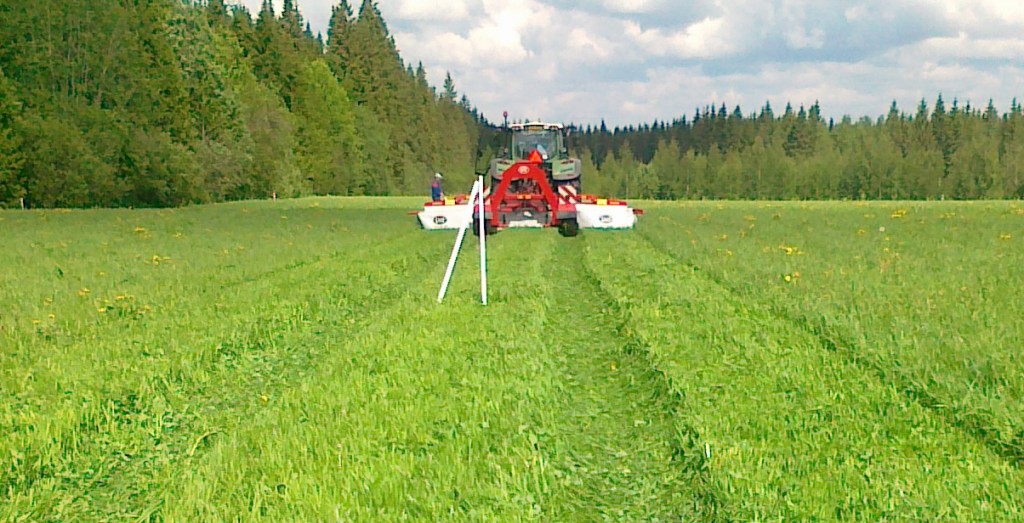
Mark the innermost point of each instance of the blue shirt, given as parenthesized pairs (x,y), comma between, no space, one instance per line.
(435,190)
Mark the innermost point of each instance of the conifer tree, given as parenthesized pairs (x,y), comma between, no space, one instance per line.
(11,157)
(664,166)
(449,93)
(329,147)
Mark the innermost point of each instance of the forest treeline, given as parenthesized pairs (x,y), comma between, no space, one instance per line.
(936,153)
(155,103)
(163,103)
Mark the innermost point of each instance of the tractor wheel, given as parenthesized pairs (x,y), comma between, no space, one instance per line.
(569,228)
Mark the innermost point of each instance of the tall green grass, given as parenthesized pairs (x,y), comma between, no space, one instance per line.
(791,431)
(924,295)
(286,361)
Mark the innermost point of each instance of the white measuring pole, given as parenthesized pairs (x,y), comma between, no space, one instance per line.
(458,243)
(483,245)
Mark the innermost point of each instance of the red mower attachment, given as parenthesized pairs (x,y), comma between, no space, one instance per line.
(524,198)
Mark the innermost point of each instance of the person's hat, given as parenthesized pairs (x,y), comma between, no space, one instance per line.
(438,175)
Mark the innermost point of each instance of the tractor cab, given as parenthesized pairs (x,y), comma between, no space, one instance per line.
(538,144)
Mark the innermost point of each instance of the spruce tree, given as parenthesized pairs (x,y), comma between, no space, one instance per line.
(11,156)
(449,89)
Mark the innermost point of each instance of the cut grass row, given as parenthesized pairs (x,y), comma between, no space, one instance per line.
(793,432)
(619,444)
(427,414)
(921,294)
(526,410)
(94,418)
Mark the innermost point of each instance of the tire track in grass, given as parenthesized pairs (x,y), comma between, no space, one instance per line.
(446,413)
(620,454)
(832,338)
(794,433)
(173,417)
(429,413)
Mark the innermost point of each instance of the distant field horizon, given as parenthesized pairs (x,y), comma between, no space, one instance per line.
(414,202)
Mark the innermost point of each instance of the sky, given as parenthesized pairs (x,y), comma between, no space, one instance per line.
(638,61)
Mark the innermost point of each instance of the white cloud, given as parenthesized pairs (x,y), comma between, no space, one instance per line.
(965,47)
(634,6)
(517,15)
(985,18)
(857,13)
(495,44)
(800,38)
(793,14)
(433,9)
(584,46)
(483,45)
(705,39)
(456,48)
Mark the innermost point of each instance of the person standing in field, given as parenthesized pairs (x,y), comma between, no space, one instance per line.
(436,193)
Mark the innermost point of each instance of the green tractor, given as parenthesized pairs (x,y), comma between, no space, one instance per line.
(540,143)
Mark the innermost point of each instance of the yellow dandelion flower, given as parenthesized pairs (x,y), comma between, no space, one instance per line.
(788,278)
(1005,237)
(83,292)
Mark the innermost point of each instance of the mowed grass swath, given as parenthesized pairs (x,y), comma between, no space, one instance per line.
(736,361)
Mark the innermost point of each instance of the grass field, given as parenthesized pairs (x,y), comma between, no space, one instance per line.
(286,361)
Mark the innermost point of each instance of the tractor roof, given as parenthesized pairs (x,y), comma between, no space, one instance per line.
(535,126)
